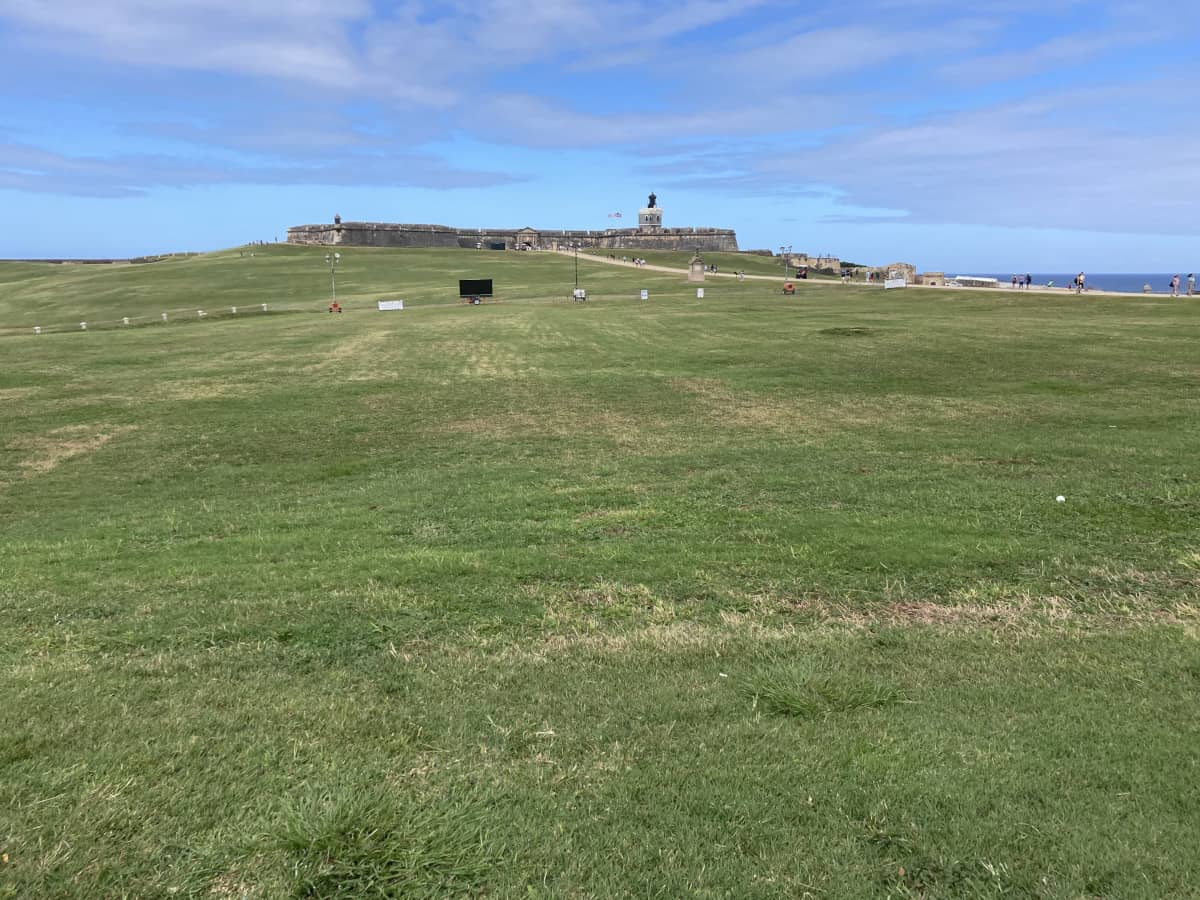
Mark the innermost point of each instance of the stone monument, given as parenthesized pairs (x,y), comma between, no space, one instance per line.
(696,267)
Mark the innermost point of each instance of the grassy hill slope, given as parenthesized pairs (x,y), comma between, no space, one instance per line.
(290,278)
(742,596)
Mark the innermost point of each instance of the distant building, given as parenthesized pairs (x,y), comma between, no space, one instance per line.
(815,262)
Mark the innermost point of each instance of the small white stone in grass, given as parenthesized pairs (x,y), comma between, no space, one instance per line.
(722,675)
(1060,499)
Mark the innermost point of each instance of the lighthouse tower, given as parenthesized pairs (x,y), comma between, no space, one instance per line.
(650,217)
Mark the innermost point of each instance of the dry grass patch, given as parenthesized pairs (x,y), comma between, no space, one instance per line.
(47,452)
(740,410)
(822,414)
(172,391)
(231,884)
(625,433)
(491,361)
(612,594)
(356,358)
(503,425)
(657,638)
(1133,576)
(1025,614)
(967,609)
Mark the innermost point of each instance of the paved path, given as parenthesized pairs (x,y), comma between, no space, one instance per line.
(1034,289)
(671,269)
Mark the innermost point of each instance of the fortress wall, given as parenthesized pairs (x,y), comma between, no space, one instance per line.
(704,239)
(380,234)
(469,237)
(375,234)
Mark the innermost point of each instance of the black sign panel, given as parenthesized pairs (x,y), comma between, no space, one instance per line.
(475,287)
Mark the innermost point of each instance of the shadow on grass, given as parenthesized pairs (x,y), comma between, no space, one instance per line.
(851,331)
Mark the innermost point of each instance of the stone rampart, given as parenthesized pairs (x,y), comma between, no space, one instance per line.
(374,234)
(704,239)
(383,234)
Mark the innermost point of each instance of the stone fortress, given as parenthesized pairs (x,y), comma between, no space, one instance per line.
(649,235)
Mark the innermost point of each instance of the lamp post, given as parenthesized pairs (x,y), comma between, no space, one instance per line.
(577,265)
(784,258)
(334,260)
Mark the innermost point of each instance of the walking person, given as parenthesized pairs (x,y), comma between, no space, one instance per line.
(1080,279)
(1191,284)
(1175,286)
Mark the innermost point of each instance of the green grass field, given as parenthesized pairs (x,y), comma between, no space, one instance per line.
(747,596)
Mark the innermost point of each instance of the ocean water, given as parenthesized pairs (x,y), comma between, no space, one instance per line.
(1159,282)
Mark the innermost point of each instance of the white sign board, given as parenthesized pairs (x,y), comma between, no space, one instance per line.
(645,295)
(391,304)
(699,293)
(894,283)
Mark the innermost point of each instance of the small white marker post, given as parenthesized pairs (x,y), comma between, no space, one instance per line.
(264,307)
(645,295)
(164,317)
(125,320)
(37,329)
(233,309)
(83,326)
(699,293)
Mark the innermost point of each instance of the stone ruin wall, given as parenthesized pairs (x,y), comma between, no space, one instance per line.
(815,262)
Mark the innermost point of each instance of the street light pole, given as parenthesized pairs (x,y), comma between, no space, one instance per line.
(577,265)
(333,261)
(784,258)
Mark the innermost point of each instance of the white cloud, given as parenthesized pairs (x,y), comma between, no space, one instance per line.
(252,38)
(915,105)
(36,170)
(1058,53)
(1049,162)
(416,52)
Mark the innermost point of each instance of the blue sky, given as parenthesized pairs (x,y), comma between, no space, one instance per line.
(1053,135)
